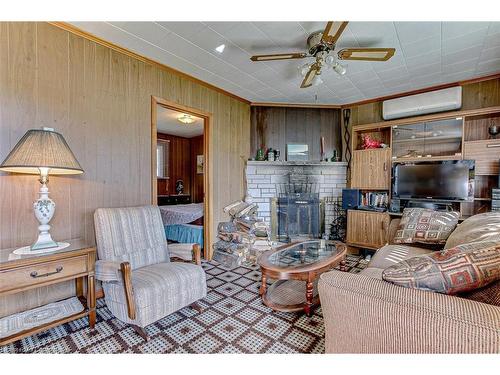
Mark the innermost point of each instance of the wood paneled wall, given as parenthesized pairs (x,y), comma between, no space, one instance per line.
(100,100)
(276,126)
(196,179)
(180,164)
(474,95)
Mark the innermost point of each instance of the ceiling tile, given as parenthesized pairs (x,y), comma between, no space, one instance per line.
(250,38)
(373,32)
(222,28)
(361,77)
(149,31)
(490,66)
(409,32)
(456,29)
(490,54)
(460,66)
(184,29)
(463,75)
(394,62)
(395,82)
(465,41)
(430,57)
(285,34)
(208,40)
(464,55)
(393,73)
(425,69)
(492,40)
(421,47)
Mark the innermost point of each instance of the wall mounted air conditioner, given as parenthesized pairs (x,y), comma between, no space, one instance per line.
(421,104)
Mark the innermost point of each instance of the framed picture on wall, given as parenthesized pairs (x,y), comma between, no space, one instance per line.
(199,163)
(297,152)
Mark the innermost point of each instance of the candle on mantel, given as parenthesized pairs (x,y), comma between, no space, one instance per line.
(322,142)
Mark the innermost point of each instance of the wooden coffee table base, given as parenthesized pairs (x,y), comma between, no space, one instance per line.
(291,295)
(296,288)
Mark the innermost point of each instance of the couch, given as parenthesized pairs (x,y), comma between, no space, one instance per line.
(365,314)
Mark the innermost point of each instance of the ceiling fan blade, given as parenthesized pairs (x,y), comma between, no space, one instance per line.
(332,31)
(279,56)
(367,54)
(307,81)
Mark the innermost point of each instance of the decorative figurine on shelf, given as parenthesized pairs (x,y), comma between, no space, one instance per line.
(260,155)
(277,155)
(368,142)
(270,155)
(179,187)
(493,131)
(335,156)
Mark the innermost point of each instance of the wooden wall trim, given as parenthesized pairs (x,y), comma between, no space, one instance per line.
(207,168)
(84,34)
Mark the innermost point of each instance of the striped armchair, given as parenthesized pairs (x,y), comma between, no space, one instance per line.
(140,283)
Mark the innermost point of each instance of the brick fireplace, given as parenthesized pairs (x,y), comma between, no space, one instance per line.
(264,180)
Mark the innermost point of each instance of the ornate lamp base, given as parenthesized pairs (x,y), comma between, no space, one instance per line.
(44,208)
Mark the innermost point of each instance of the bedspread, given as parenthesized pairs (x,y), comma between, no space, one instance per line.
(181,213)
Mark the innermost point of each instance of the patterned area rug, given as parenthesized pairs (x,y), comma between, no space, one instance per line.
(234,321)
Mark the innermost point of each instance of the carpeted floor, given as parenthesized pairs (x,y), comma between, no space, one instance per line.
(234,321)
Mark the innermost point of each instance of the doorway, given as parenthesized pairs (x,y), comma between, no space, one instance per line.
(181,172)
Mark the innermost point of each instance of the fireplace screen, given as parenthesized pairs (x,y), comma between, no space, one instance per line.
(298,211)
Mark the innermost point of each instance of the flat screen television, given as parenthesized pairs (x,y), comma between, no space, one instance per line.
(440,180)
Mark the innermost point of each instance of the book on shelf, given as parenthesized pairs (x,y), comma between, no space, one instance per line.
(375,200)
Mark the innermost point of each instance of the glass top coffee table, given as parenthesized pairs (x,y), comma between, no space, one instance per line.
(296,267)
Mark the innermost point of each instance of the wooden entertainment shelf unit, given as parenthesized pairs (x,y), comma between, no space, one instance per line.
(456,135)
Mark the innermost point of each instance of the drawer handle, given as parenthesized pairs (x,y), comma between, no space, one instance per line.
(494,145)
(35,274)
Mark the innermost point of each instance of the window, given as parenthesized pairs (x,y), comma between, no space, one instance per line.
(162,152)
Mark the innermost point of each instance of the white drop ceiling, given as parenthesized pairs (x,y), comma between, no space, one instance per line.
(427,54)
(168,123)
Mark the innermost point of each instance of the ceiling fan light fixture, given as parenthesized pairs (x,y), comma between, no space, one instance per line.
(329,60)
(303,69)
(186,119)
(316,81)
(339,68)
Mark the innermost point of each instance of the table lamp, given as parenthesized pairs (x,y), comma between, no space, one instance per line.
(42,151)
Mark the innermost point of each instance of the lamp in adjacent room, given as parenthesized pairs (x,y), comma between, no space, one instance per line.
(42,151)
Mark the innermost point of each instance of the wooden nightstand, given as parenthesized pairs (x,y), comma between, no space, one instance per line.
(19,273)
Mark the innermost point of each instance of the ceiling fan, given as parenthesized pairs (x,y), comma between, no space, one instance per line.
(320,45)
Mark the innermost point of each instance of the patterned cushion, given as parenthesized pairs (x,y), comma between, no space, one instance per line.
(159,290)
(422,225)
(460,269)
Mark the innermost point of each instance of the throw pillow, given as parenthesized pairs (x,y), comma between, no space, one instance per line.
(460,269)
(423,225)
(481,227)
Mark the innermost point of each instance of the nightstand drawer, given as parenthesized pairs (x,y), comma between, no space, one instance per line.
(30,276)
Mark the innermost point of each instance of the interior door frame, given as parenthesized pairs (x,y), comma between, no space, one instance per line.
(207,170)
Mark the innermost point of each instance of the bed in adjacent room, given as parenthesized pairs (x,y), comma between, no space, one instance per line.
(178,222)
